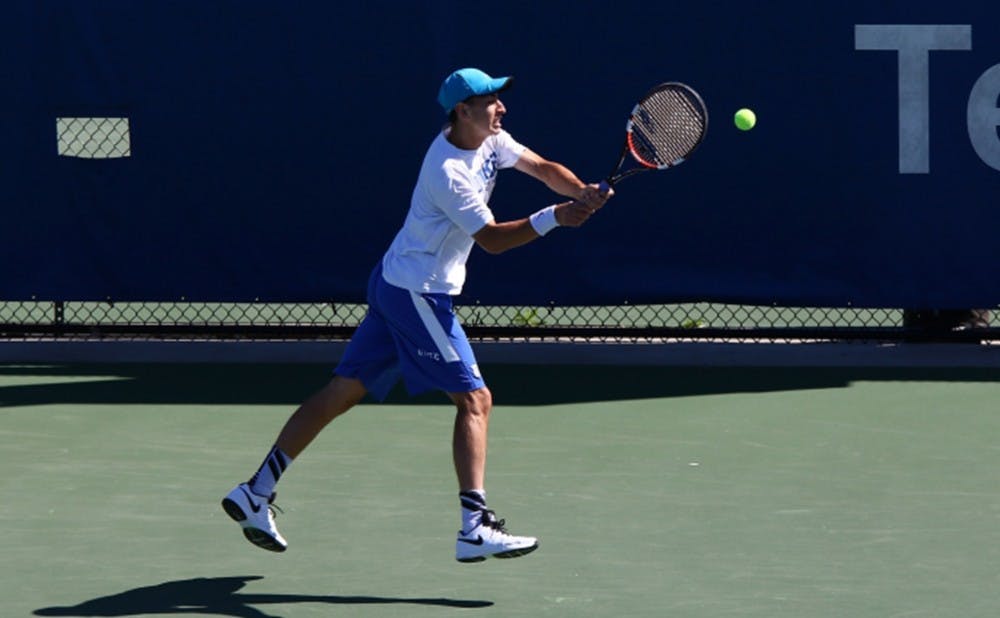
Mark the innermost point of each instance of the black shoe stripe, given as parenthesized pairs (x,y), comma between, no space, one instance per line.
(262,539)
(514,553)
(233,510)
(476,559)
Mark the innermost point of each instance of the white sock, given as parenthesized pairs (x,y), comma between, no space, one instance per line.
(473,505)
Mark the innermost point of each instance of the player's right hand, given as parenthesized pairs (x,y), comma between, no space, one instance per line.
(594,197)
(574,214)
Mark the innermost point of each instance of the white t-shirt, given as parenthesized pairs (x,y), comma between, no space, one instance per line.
(448,206)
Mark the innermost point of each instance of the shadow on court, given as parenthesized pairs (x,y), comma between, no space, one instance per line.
(220,596)
(529,385)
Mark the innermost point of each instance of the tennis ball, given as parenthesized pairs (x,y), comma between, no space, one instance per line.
(745,119)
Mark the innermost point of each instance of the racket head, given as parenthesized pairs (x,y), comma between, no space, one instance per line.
(666,126)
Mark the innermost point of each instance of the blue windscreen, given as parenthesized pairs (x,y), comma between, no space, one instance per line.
(267,150)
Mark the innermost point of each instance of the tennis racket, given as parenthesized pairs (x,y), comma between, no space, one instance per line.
(664,128)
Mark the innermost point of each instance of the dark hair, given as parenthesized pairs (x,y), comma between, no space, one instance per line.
(453,114)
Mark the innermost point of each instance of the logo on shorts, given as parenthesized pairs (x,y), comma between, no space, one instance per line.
(475,370)
(431,355)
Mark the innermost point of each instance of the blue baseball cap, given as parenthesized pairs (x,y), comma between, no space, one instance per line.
(465,83)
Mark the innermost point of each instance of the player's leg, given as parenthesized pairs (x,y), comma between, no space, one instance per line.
(338,396)
(469,439)
(369,363)
(251,503)
(482,534)
(434,353)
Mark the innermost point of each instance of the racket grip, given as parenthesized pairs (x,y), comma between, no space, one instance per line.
(604,186)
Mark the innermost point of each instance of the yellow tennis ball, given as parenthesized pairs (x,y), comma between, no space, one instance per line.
(745,119)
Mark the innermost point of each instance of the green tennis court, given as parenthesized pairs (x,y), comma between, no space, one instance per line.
(655,492)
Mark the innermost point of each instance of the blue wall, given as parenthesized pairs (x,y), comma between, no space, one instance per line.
(274,147)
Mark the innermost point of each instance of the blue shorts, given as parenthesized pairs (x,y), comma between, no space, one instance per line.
(416,336)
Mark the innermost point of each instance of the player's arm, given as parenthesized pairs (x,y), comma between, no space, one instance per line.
(559,178)
(497,237)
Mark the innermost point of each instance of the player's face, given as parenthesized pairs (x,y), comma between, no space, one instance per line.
(486,112)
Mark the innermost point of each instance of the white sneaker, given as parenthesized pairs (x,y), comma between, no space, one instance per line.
(256,515)
(490,539)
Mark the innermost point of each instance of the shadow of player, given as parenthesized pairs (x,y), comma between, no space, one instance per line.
(220,596)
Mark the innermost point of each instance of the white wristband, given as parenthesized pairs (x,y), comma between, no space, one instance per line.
(544,221)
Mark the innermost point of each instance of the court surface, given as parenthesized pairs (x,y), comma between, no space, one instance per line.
(655,492)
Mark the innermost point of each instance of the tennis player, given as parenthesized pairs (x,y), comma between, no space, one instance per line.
(411,329)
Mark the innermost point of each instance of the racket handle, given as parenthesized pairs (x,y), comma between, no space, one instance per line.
(604,186)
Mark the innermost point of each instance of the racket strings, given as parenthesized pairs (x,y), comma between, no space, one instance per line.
(666,127)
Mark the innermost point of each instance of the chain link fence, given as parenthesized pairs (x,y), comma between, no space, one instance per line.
(681,322)
(93,138)
(110,138)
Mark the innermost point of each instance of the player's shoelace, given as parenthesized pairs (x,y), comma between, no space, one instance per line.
(271,506)
(490,521)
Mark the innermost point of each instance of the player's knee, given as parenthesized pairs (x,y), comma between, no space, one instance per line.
(477,403)
(484,399)
(341,394)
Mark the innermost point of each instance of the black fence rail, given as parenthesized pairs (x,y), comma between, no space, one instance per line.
(686,322)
